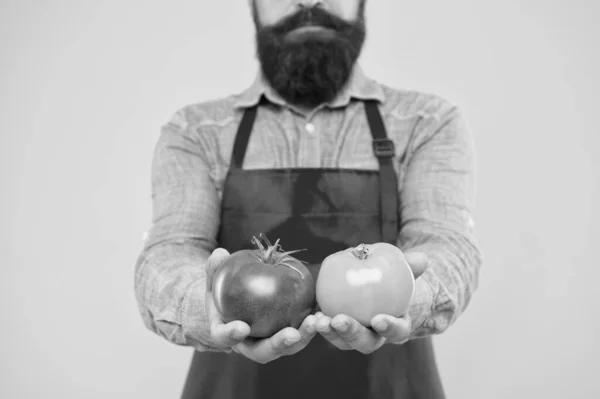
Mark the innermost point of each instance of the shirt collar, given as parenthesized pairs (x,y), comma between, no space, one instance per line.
(359,86)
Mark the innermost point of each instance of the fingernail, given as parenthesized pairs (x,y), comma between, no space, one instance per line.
(310,329)
(291,341)
(341,327)
(238,334)
(381,325)
(324,329)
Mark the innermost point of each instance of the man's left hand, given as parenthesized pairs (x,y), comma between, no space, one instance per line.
(348,334)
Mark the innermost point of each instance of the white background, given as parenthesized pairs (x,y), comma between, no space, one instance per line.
(86,85)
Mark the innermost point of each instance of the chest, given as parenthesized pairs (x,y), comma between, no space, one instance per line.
(336,139)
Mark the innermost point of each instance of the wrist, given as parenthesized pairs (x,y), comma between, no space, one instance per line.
(420,308)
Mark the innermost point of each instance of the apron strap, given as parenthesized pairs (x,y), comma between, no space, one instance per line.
(385,151)
(383,148)
(242,137)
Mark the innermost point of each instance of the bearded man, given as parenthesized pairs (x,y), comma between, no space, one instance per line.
(319,156)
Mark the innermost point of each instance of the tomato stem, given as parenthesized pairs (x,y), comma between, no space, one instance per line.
(361,252)
(273,254)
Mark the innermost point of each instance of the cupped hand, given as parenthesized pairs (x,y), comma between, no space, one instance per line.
(346,333)
(234,335)
(286,342)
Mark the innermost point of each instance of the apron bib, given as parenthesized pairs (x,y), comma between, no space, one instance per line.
(323,211)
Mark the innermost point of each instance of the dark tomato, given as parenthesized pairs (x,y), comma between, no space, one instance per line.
(266,288)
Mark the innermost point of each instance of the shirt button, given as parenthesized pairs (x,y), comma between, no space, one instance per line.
(310,127)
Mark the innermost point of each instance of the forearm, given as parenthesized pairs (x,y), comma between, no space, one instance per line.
(438,197)
(170,281)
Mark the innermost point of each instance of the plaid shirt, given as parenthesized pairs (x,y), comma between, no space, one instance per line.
(434,162)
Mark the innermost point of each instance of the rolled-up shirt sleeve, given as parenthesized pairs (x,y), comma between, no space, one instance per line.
(169,272)
(437,204)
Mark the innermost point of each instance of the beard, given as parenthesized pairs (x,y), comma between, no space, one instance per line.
(311,68)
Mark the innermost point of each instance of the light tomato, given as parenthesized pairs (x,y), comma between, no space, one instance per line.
(365,281)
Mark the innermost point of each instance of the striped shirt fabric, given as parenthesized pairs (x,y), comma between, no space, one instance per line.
(434,162)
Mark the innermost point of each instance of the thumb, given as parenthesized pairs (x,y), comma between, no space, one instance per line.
(215,260)
(418,262)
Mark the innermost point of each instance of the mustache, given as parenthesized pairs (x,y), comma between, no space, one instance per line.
(313,16)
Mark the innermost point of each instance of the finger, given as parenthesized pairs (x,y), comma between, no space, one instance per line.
(229,334)
(307,333)
(394,329)
(323,326)
(269,349)
(356,335)
(216,258)
(224,334)
(418,262)
(308,326)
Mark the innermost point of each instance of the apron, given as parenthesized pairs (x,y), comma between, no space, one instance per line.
(323,211)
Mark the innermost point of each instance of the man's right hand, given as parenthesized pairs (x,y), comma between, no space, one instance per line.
(234,335)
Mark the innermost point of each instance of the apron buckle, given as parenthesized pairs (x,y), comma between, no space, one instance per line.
(384,148)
